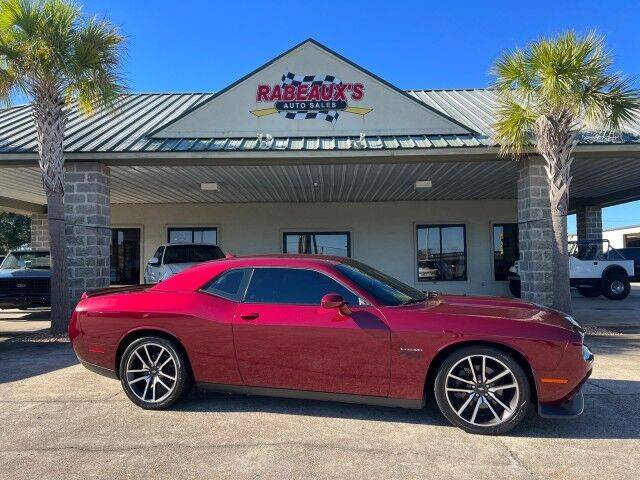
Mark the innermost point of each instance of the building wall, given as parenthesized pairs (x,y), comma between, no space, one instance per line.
(617,237)
(382,234)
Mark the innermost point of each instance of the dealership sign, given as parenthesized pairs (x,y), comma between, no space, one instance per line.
(302,97)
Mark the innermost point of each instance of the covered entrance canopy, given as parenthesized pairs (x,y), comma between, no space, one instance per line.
(311,127)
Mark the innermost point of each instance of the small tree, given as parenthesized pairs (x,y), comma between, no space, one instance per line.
(15,231)
(49,52)
(548,94)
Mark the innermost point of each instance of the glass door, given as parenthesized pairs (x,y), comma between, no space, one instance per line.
(125,256)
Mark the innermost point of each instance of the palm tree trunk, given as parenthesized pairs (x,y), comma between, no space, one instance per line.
(555,141)
(50,120)
(560,256)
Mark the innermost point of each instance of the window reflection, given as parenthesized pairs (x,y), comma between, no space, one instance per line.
(442,252)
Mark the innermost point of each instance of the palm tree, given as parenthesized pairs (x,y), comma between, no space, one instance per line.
(548,94)
(54,56)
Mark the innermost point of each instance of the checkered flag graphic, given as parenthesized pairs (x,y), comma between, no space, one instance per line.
(296,80)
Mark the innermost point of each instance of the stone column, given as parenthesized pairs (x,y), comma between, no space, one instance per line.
(589,222)
(88,219)
(535,232)
(39,231)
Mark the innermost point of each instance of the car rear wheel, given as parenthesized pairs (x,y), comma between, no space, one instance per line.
(482,390)
(154,373)
(616,286)
(589,292)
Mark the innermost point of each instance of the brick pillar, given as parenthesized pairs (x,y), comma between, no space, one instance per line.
(589,220)
(88,219)
(39,231)
(535,232)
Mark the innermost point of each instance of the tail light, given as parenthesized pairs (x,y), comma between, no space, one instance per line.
(74,329)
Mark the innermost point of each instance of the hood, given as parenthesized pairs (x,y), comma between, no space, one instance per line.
(24,273)
(504,308)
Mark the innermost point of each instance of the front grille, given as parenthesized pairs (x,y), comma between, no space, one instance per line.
(24,286)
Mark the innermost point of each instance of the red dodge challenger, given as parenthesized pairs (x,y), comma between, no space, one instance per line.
(332,328)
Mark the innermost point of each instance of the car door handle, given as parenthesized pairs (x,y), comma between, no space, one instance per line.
(249,316)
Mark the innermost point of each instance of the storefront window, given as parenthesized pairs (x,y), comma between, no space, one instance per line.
(320,243)
(193,235)
(442,253)
(505,249)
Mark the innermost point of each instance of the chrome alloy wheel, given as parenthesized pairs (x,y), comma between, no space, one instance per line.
(151,372)
(482,390)
(617,287)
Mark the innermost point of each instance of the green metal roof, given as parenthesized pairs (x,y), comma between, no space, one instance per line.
(128,126)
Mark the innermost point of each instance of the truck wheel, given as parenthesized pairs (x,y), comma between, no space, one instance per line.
(514,288)
(615,286)
(589,292)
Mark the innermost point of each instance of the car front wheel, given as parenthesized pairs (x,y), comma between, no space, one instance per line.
(154,373)
(482,390)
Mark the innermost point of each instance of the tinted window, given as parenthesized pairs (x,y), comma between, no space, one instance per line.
(193,235)
(442,252)
(228,284)
(505,249)
(384,288)
(293,286)
(191,253)
(334,243)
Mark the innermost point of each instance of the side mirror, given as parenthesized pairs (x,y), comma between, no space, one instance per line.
(154,262)
(333,300)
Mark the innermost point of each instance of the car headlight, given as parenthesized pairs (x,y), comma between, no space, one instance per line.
(587,354)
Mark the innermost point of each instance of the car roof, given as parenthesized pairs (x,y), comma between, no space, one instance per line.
(174,244)
(197,275)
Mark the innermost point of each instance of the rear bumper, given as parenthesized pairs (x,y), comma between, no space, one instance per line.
(106,372)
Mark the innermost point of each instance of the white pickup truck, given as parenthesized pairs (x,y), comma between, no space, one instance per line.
(594,267)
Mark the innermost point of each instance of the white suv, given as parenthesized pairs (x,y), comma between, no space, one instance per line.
(172,258)
(594,267)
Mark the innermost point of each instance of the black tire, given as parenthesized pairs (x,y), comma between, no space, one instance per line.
(177,367)
(520,401)
(615,286)
(589,292)
(515,288)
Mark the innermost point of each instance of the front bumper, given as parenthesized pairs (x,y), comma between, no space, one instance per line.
(572,405)
(24,300)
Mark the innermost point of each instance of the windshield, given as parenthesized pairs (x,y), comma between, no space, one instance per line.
(384,288)
(191,253)
(16,260)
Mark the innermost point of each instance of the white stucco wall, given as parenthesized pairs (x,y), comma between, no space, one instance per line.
(616,237)
(382,234)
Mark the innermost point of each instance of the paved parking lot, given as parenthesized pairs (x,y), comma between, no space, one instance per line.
(62,421)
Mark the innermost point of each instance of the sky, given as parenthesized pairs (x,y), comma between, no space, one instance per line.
(202,46)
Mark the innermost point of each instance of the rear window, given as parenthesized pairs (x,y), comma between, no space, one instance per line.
(191,253)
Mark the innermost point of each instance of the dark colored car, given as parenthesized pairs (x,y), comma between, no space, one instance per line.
(331,328)
(632,253)
(25,279)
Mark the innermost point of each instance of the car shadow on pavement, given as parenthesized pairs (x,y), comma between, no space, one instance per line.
(607,415)
(21,359)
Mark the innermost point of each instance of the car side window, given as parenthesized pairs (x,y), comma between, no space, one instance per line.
(229,284)
(293,286)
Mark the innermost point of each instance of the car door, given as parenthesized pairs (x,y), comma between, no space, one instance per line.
(285,339)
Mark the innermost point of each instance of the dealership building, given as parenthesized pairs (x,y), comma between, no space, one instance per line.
(312,153)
